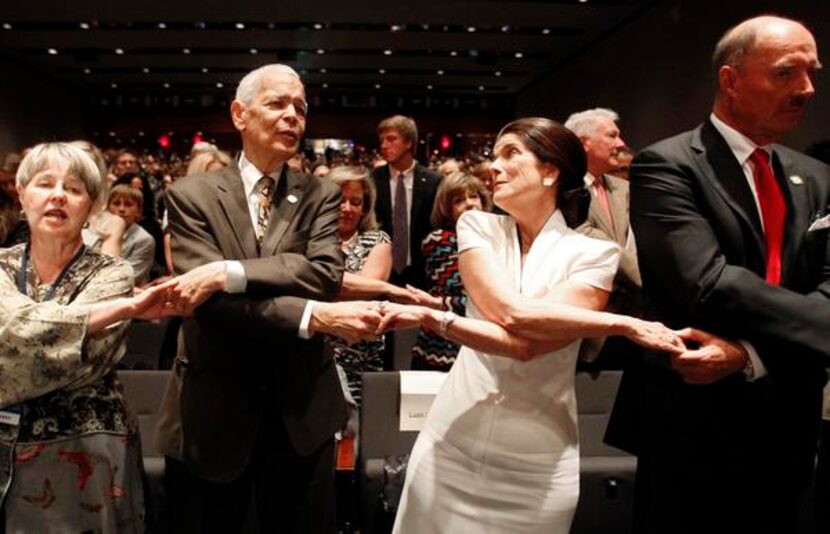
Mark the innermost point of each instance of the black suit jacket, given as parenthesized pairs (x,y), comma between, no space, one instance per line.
(424,188)
(702,258)
(243,351)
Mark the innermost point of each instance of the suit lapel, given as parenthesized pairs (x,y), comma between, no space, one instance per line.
(418,184)
(287,197)
(723,171)
(618,202)
(798,209)
(235,206)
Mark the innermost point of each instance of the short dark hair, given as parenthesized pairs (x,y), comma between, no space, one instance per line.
(556,145)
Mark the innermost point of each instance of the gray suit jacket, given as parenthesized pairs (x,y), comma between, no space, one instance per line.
(242,351)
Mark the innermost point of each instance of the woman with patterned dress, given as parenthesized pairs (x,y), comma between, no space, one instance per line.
(499,451)
(368,262)
(70,458)
(457,194)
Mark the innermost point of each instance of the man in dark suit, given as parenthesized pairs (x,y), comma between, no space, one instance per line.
(731,241)
(408,228)
(258,400)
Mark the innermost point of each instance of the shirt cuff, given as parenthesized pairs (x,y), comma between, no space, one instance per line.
(237,281)
(304,322)
(759,370)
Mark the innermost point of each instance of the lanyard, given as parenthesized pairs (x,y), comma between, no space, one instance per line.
(22,276)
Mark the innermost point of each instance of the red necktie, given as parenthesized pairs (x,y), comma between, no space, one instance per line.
(773,212)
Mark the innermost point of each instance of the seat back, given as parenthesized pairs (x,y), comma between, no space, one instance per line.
(144,391)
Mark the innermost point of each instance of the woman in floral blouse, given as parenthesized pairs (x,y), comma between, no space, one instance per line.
(457,193)
(70,459)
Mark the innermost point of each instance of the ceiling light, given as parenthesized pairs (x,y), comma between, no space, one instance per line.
(440,72)
(481,88)
(141,133)
(240,26)
(471,29)
(453,53)
(220,85)
(253,51)
(52,51)
(582,1)
(425,27)
(87,70)
(325,86)
(145,70)
(395,28)
(545,31)
(323,71)
(84,25)
(161,26)
(377,86)
(498,73)
(114,85)
(7,26)
(166,85)
(387,52)
(318,26)
(185,51)
(429,87)
(505,28)
(320,51)
(112,134)
(519,55)
(205,70)
(382,71)
(119,51)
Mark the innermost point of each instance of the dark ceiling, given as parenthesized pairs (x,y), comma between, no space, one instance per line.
(348,52)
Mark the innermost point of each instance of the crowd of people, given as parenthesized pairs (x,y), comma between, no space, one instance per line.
(702,267)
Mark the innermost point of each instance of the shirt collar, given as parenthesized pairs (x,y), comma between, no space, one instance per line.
(740,145)
(590,179)
(251,175)
(407,174)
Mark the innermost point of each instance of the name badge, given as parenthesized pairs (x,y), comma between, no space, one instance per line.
(9,418)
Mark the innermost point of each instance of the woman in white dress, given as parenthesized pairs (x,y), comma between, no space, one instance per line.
(500,452)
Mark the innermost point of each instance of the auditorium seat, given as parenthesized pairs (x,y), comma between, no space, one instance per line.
(144,391)
(606,474)
(144,341)
(379,439)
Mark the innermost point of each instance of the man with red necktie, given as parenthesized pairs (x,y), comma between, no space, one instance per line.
(731,241)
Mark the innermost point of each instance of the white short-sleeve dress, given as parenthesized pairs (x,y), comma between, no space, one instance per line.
(500,449)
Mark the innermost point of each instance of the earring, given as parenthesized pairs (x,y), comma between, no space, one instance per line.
(548,181)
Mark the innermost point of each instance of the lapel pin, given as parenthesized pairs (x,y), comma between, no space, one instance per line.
(291,199)
(796,179)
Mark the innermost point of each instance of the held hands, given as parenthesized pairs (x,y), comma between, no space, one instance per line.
(654,335)
(197,285)
(714,359)
(351,321)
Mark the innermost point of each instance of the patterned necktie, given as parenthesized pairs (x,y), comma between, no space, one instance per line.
(773,212)
(264,189)
(602,196)
(400,228)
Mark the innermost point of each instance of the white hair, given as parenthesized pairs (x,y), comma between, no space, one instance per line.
(585,123)
(69,159)
(250,84)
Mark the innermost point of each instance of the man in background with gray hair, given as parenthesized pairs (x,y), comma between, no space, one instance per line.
(608,219)
(257,399)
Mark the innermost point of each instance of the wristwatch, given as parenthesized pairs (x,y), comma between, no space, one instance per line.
(446,320)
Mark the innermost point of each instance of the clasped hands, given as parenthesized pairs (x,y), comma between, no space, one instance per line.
(358,320)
